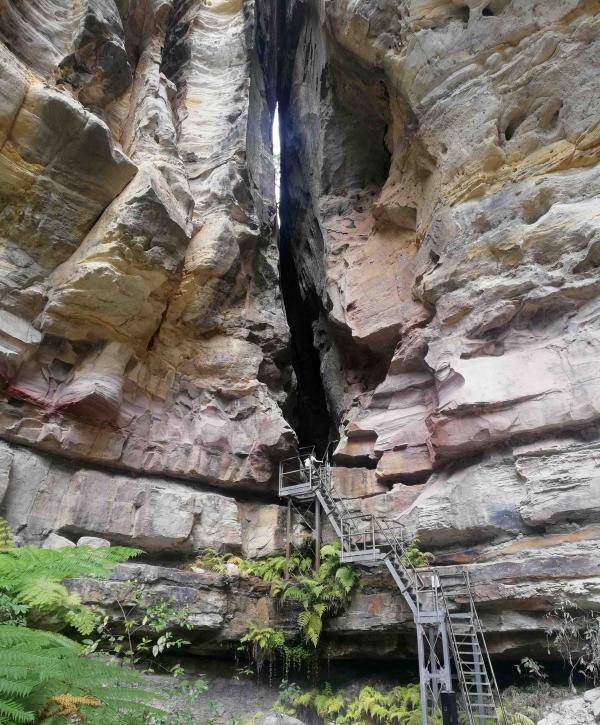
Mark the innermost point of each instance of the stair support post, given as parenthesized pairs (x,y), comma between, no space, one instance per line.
(447,673)
(478,660)
(317,534)
(435,675)
(423,675)
(288,538)
(433,670)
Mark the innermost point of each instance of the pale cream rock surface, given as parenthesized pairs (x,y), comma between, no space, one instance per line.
(440,208)
(93,541)
(141,323)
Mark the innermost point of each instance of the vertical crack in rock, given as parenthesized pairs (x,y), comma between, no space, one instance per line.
(439,259)
(335,162)
(308,410)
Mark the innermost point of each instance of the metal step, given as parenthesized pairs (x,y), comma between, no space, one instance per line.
(478,687)
(358,556)
(297,490)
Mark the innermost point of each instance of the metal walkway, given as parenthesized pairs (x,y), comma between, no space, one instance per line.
(453,657)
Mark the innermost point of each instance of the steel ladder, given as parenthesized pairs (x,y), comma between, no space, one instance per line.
(453,655)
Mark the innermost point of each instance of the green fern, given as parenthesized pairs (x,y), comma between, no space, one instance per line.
(399,706)
(413,555)
(518,718)
(324,592)
(271,569)
(33,577)
(264,644)
(45,677)
(36,666)
(6,536)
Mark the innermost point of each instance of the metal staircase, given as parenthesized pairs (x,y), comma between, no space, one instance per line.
(453,656)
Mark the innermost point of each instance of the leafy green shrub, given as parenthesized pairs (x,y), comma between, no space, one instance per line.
(139,632)
(415,557)
(531,669)
(575,634)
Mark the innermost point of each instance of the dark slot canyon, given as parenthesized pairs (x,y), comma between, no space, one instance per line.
(308,411)
(423,291)
(334,162)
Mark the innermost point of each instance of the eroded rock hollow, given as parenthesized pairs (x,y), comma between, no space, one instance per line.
(437,256)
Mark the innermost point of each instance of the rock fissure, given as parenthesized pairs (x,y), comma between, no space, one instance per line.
(436,257)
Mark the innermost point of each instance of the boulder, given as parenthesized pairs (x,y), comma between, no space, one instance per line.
(278,718)
(55,541)
(580,710)
(93,541)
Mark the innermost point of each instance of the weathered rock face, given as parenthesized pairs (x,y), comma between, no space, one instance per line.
(440,184)
(439,254)
(141,325)
(50,501)
(451,219)
(219,607)
(582,710)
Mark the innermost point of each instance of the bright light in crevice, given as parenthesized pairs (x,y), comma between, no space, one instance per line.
(276,156)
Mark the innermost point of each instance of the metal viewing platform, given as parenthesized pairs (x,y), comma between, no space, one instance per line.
(455,669)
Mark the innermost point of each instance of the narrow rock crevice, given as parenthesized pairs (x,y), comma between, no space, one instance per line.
(307,409)
(334,163)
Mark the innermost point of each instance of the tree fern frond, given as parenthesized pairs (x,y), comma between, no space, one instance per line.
(82,619)
(43,593)
(6,536)
(14,711)
(294,593)
(12,688)
(11,635)
(34,665)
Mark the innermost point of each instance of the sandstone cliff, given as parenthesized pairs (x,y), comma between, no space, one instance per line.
(439,264)
(142,325)
(440,212)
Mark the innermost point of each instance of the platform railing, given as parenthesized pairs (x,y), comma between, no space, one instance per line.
(368,538)
(294,471)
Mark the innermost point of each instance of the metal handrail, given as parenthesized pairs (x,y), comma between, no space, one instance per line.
(297,475)
(422,587)
(400,553)
(457,659)
(479,628)
(392,531)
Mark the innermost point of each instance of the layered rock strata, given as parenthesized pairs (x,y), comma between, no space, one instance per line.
(141,325)
(47,496)
(439,249)
(440,185)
